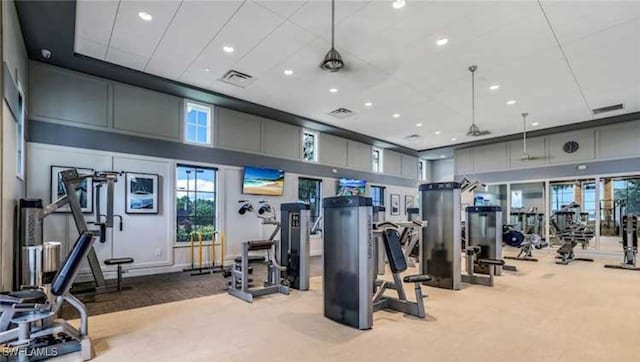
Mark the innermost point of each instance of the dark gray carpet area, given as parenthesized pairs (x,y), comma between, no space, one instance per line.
(165,288)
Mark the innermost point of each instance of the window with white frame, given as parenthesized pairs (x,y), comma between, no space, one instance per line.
(422,170)
(310,146)
(376,160)
(198,123)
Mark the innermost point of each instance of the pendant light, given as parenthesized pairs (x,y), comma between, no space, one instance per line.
(333,60)
(474,130)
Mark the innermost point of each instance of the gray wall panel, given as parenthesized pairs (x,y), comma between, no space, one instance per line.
(239,131)
(619,140)
(586,140)
(281,139)
(409,166)
(359,155)
(463,161)
(61,95)
(490,157)
(56,134)
(333,150)
(147,112)
(392,164)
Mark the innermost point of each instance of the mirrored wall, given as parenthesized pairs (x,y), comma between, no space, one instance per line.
(591,208)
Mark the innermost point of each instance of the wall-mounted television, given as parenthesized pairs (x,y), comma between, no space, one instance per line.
(263,181)
(347,187)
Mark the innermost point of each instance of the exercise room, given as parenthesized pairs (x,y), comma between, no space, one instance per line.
(319,180)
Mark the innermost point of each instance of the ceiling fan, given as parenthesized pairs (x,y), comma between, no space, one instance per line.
(525,155)
(332,61)
(474,130)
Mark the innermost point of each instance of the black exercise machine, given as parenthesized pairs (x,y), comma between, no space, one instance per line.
(629,244)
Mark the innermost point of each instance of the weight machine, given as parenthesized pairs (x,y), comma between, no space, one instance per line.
(629,243)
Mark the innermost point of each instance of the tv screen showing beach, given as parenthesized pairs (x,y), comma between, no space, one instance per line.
(263,181)
(351,187)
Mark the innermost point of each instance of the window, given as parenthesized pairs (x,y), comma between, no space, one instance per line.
(516,199)
(20,136)
(589,198)
(310,146)
(377,195)
(561,195)
(197,123)
(376,160)
(422,170)
(196,210)
(309,190)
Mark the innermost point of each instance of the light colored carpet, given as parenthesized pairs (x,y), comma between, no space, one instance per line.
(544,312)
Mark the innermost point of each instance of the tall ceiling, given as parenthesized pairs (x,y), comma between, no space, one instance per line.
(557,59)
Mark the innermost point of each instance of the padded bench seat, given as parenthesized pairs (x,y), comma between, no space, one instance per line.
(496,262)
(28,296)
(416,278)
(259,245)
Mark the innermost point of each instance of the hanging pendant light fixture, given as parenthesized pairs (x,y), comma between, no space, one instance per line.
(333,60)
(474,130)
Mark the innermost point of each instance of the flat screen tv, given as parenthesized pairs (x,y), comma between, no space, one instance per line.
(348,187)
(263,181)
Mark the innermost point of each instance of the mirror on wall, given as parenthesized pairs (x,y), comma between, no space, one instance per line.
(527,204)
(572,207)
(620,196)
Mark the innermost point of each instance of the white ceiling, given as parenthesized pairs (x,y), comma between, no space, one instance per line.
(391,56)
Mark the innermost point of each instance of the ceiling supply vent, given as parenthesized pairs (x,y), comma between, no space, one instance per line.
(238,79)
(341,113)
(606,109)
(412,137)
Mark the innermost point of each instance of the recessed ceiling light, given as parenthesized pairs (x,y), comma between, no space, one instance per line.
(418,124)
(398,4)
(228,49)
(207,69)
(145,16)
(368,104)
(535,124)
(442,156)
(333,90)
(454,139)
(511,102)
(437,132)
(441,42)
(288,72)
(494,87)
(396,115)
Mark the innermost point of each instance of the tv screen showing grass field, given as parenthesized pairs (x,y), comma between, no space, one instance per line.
(263,181)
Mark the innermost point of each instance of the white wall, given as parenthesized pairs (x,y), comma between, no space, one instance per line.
(15,56)
(149,239)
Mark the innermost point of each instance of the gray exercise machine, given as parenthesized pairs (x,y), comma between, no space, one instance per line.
(32,255)
(441,241)
(349,258)
(239,286)
(28,328)
(483,231)
(629,243)
(379,215)
(295,242)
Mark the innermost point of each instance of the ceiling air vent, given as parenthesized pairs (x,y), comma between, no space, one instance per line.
(606,109)
(341,113)
(412,137)
(236,78)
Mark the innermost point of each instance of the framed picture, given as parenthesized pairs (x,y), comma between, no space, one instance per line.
(84,190)
(142,193)
(408,203)
(395,204)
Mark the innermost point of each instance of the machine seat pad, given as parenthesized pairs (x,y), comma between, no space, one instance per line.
(260,244)
(497,262)
(397,261)
(36,296)
(66,274)
(253,259)
(420,278)
(118,261)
